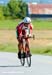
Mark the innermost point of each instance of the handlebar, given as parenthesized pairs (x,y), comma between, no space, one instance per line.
(29,37)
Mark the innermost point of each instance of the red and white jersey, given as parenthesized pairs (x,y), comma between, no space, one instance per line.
(22,30)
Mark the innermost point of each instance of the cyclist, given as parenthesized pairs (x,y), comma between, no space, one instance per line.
(23,29)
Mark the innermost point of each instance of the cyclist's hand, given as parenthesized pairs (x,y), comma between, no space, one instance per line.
(25,36)
(30,35)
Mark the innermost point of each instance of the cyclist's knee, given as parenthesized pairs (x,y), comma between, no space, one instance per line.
(27,41)
(20,46)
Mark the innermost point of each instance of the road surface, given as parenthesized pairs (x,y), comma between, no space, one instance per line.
(10,65)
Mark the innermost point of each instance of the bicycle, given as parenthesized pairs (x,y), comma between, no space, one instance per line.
(28,57)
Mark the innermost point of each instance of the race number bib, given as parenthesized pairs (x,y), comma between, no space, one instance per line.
(27,31)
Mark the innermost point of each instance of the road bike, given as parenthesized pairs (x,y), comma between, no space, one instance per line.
(27,56)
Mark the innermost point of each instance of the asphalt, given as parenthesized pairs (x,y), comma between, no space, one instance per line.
(10,65)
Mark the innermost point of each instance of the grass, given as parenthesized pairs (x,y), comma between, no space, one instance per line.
(42,50)
(42,24)
(13,48)
(8,24)
(38,24)
(8,47)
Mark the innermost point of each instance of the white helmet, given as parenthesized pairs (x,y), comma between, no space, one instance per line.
(27,20)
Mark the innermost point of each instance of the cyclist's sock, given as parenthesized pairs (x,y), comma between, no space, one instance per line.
(19,55)
(28,53)
(24,54)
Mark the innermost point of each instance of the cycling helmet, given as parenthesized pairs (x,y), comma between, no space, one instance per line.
(27,20)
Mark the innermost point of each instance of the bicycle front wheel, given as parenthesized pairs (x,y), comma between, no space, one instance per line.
(22,60)
(29,61)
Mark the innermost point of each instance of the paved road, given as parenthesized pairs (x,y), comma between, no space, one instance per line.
(10,65)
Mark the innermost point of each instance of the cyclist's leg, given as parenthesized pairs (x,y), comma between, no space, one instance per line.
(27,48)
(23,47)
(19,49)
(27,45)
(20,46)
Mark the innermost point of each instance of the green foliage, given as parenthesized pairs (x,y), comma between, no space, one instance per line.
(23,9)
(14,9)
(6,11)
(1,13)
(17,9)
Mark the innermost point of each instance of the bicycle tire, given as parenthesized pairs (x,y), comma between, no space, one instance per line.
(22,60)
(29,61)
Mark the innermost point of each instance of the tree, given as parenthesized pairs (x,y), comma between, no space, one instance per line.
(13,8)
(1,13)
(18,8)
(23,9)
(6,11)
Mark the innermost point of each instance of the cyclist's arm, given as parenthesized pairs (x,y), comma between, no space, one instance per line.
(18,32)
(31,29)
